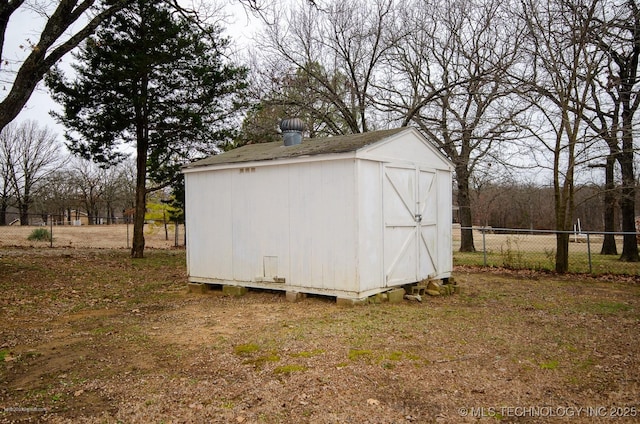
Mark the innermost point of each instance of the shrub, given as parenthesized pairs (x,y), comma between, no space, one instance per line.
(39,234)
(512,256)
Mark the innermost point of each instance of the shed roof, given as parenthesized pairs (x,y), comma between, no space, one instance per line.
(308,147)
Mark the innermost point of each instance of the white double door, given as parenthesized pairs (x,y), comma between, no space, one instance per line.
(410,218)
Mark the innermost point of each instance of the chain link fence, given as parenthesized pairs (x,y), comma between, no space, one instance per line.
(494,247)
(43,231)
(536,250)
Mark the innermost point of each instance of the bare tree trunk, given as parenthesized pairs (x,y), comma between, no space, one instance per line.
(464,204)
(3,213)
(137,247)
(563,198)
(562,252)
(627,209)
(625,159)
(609,243)
(142,139)
(24,214)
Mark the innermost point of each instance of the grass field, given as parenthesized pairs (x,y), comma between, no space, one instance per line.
(92,336)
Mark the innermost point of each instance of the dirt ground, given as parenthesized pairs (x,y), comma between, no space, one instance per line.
(92,336)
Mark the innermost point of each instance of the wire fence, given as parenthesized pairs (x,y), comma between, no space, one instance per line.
(43,231)
(536,250)
(494,247)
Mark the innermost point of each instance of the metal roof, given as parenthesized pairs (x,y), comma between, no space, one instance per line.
(308,147)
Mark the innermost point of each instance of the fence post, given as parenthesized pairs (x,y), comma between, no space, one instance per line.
(589,253)
(484,247)
(50,231)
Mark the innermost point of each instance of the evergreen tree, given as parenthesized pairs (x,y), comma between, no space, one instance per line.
(155,81)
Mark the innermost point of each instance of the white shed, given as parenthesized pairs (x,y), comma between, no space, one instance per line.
(347,216)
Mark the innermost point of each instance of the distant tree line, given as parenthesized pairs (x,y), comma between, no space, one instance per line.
(530,206)
(39,178)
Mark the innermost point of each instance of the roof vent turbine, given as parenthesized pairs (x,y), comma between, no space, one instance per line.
(292,131)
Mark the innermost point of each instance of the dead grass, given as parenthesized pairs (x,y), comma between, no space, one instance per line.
(96,337)
(116,236)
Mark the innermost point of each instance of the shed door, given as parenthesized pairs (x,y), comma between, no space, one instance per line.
(410,206)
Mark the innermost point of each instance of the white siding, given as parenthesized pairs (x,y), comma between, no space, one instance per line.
(370,225)
(260,221)
(208,212)
(322,219)
(444,211)
(323,224)
(406,148)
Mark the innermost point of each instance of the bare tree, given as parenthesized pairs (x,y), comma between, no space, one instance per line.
(118,191)
(89,180)
(563,65)
(66,24)
(59,198)
(31,154)
(63,31)
(450,78)
(614,29)
(333,55)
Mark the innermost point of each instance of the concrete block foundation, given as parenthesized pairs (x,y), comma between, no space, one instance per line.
(294,296)
(396,295)
(197,288)
(234,290)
